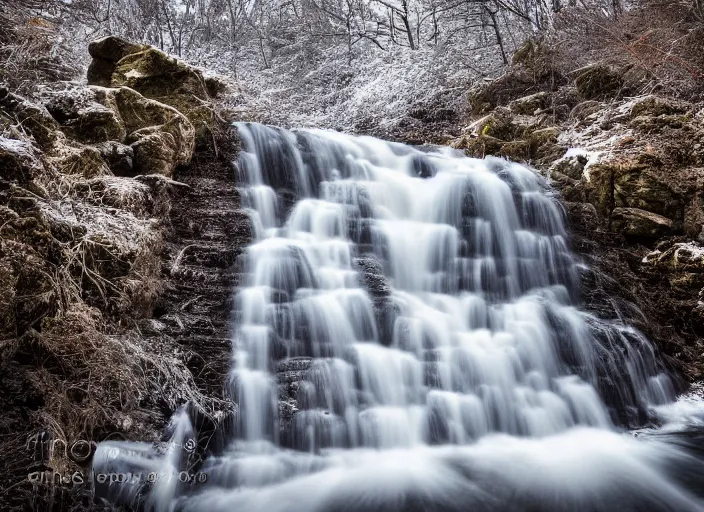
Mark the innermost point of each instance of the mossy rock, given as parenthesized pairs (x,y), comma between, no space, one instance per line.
(113,48)
(598,82)
(632,183)
(649,123)
(657,106)
(155,151)
(155,75)
(640,224)
(485,96)
(106,52)
(517,150)
(479,147)
(499,124)
(528,105)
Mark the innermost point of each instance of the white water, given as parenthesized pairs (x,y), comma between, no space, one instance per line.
(474,382)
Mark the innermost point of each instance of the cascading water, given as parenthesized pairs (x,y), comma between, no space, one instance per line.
(457,374)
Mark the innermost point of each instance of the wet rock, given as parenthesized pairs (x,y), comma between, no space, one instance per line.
(478,147)
(372,273)
(422,167)
(582,216)
(639,224)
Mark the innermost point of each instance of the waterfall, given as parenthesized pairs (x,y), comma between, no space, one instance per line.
(408,337)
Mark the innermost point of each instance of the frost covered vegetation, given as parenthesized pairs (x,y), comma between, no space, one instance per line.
(360,65)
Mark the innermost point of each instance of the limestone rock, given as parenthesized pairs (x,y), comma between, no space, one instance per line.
(639,224)
(155,150)
(155,75)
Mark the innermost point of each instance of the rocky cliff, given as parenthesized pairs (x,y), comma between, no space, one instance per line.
(119,229)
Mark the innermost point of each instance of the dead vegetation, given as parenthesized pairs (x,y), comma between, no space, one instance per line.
(30,51)
(81,256)
(656,47)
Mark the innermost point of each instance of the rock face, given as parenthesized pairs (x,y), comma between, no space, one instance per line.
(640,224)
(631,174)
(115,279)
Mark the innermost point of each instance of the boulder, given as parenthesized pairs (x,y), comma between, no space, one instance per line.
(639,224)
(113,48)
(34,119)
(169,138)
(528,105)
(598,81)
(157,76)
(106,52)
(156,150)
(85,119)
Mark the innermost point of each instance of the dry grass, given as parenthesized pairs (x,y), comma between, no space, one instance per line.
(29,47)
(659,46)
